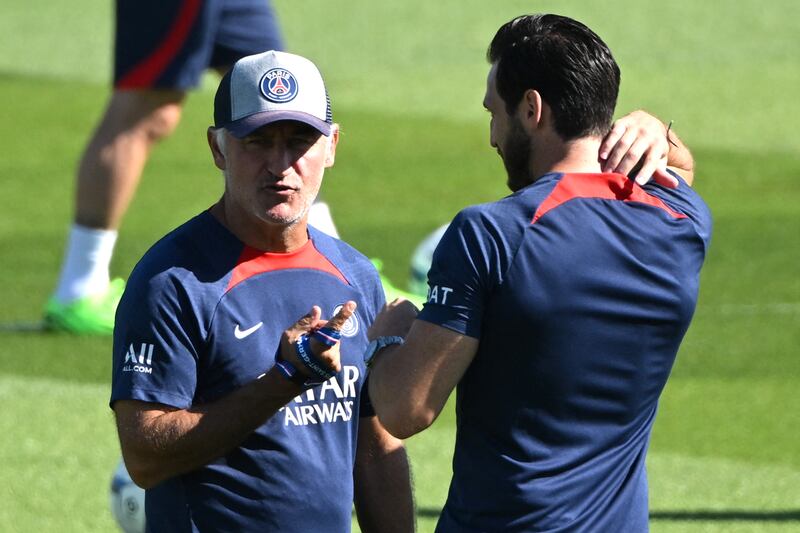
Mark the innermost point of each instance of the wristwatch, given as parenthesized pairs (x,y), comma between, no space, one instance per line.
(378,344)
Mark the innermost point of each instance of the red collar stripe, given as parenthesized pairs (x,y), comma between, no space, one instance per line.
(253,262)
(602,186)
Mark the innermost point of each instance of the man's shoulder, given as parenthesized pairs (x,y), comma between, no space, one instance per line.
(684,197)
(505,217)
(489,233)
(198,250)
(685,200)
(519,206)
(356,267)
(343,255)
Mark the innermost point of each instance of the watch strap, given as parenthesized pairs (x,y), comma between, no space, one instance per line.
(378,344)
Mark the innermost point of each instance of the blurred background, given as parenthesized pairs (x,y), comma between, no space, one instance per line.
(406,82)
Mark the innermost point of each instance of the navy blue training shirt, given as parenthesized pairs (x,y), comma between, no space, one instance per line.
(202,315)
(580,288)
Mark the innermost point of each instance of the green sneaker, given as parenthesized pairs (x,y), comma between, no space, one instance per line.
(393,292)
(91,315)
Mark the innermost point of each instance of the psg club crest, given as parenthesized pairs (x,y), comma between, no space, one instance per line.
(350,327)
(279,85)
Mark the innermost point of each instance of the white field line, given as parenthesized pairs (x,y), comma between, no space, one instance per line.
(766,308)
(21,327)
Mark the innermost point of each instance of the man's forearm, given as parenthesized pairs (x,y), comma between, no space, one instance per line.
(159,444)
(382,482)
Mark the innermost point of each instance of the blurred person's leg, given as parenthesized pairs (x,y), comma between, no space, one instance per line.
(108,175)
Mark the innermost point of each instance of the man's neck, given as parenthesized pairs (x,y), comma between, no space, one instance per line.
(259,234)
(576,156)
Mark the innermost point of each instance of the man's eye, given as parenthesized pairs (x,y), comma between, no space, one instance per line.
(301,141)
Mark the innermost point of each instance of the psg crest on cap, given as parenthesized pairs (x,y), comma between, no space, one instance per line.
(279,85)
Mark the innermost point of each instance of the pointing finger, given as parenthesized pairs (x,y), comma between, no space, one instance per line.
(347,310)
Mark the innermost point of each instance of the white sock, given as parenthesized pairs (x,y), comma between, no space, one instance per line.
(86,263)
(319,216)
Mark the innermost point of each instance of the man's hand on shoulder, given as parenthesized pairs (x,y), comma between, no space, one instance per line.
(638,146)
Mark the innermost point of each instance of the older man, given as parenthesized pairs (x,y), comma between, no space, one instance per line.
(229,416)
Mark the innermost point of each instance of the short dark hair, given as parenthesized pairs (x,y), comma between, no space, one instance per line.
(566,62)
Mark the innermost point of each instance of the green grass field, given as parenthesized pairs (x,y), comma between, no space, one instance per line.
(406,82)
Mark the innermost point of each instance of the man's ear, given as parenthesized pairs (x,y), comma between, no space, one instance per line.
(217,152)
(531,108)
(333,141)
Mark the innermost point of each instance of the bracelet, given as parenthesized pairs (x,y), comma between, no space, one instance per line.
(303,348)
(290,372)
(669,139)
(327,336)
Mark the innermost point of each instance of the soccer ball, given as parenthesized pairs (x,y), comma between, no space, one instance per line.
(421,262)
(127,501)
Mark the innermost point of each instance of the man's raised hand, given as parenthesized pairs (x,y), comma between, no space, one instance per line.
(312,345)
(638,145)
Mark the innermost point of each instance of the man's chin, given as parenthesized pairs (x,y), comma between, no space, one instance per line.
(281,217)
(281,221)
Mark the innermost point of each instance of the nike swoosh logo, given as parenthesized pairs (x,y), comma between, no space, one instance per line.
(241,334)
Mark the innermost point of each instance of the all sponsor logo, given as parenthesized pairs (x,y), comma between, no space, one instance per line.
(139,359)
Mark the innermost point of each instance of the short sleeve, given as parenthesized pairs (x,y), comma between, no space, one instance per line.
(685,199)
(466,265)
(156,344)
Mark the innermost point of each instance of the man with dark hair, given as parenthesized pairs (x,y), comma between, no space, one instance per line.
(557,311)
(575,74)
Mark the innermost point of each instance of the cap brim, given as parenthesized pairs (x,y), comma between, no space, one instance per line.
(247,125)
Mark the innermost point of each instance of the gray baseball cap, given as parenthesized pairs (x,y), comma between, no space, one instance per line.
(265,88)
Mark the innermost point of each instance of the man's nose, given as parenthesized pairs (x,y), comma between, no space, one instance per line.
(279,159)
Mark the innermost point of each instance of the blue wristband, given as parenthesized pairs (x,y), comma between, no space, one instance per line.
(303,348)
(327,336)
(291,373)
